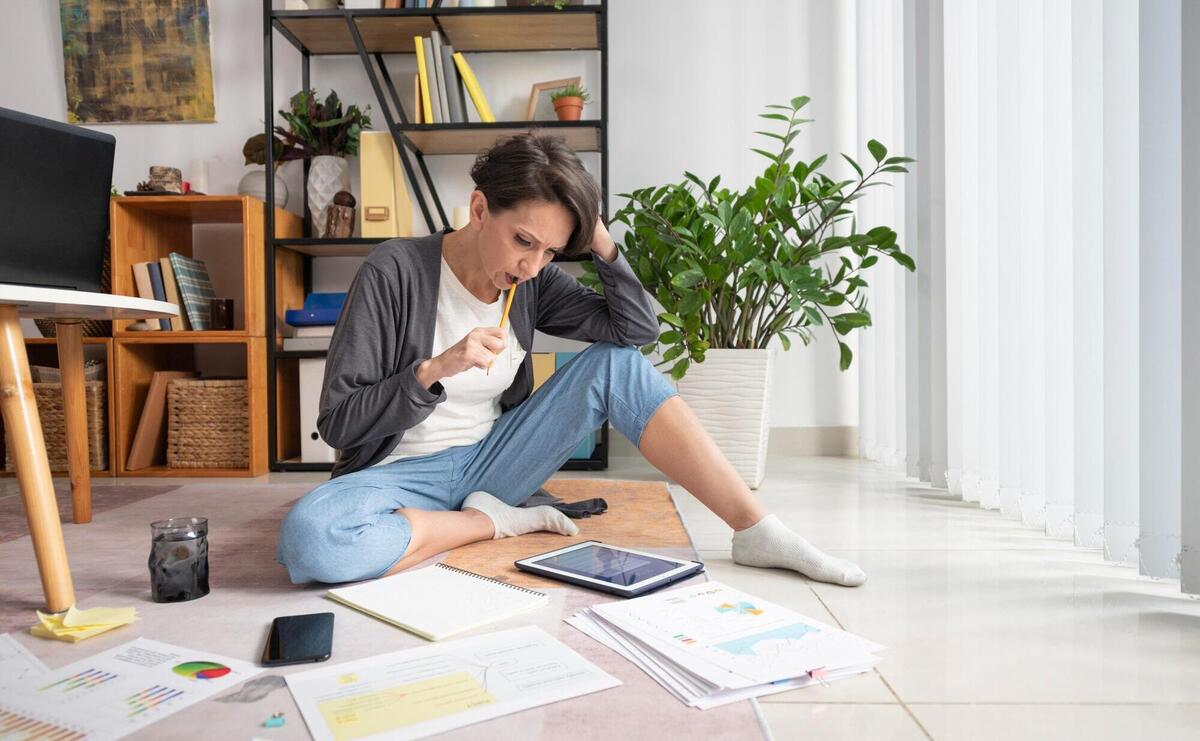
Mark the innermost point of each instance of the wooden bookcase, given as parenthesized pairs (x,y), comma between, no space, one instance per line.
(151,227)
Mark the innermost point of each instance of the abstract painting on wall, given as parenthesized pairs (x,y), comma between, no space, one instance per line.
(130,61)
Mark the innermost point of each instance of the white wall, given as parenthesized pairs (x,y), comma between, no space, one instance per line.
(682,99)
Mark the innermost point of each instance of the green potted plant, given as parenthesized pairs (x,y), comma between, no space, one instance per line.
(327,134)
(254,182)
(734,270)
(568,102)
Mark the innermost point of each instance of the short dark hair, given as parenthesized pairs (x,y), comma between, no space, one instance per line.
(533,166)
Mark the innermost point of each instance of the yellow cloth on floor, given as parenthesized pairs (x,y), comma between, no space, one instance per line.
(76,625)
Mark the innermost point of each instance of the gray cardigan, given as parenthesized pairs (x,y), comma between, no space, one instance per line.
(371,394)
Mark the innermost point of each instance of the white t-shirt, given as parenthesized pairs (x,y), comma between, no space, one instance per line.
(472,397)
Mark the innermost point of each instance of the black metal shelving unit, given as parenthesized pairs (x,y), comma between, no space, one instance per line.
(369,35)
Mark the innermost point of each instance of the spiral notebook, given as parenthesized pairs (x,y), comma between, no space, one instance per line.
(439,601)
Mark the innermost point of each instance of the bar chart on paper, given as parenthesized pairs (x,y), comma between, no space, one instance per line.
(30,725)
(79,683)
(151,699)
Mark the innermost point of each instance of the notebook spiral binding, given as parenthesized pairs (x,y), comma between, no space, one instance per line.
(490,579)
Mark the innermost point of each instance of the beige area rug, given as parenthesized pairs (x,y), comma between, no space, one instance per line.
(640,515)
(108,561)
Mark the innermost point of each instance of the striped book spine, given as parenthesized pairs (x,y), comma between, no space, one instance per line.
(191,277)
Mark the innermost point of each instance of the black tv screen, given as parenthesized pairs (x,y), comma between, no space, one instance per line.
(55,182)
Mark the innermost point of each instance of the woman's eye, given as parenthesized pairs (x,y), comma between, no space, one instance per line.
(552,253)
(522,241)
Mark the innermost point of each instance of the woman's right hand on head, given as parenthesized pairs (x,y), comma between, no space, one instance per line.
(477,350)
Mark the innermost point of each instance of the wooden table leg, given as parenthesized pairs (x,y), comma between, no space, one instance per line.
(70,363)
(23,429)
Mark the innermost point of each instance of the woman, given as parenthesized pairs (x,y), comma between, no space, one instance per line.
(428,401)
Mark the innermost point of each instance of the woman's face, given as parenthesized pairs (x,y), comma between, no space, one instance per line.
(515,244)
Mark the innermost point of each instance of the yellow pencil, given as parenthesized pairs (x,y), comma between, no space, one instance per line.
(504,317)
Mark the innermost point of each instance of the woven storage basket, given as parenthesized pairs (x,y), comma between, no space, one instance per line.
(208,424)
(54,426)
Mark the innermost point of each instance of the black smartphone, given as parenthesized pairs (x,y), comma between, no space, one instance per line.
(298,639)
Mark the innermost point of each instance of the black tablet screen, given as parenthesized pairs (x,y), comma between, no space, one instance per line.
(605,564)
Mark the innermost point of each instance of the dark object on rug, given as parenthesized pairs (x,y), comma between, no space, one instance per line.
(584,508)
(575,510)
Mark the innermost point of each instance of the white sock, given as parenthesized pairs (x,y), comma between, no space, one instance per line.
(510,521)
(771,543)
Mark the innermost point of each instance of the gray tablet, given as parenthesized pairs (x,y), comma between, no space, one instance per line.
(609,568)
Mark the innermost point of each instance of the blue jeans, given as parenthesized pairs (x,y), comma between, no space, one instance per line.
(347,529)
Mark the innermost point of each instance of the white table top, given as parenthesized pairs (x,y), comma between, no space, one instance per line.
(57,303)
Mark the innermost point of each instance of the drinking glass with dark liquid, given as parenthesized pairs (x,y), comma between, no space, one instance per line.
(179,559)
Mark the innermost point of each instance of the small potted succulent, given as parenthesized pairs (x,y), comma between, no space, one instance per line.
(324,132)
(568,102)
(254,183)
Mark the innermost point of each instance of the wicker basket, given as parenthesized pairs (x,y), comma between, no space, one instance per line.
(54,426)
(208,424)
(91,327)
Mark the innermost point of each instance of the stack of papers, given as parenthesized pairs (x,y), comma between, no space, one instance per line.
(709,644)
(75,625)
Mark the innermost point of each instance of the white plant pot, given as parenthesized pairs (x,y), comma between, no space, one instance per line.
(730,393)
(326,176)
(254,183)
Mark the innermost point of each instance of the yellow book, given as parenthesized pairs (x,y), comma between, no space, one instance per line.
(481,104)
(426,105)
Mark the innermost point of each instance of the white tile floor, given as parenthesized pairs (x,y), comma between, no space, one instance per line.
(993,630)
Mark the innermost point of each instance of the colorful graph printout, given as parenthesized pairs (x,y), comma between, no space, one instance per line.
(117,692)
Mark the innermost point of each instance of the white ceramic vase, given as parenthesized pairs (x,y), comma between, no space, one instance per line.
(254,183)
(326,176)
(730,393)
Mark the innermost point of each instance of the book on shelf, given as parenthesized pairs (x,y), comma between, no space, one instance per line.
(195,288)
(419,115)
(160,291)
(315,330)
(145,289)
(454,88)
(423,75)
(435,40)
(306,343)
(477,97)
(149,445)
(435,97)
(178,323)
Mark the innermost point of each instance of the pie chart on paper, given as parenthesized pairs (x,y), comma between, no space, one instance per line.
(201,670)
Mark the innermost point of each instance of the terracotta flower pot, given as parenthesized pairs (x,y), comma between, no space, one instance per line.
(568,108)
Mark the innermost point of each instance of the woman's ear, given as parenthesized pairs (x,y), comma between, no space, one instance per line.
(479,209)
